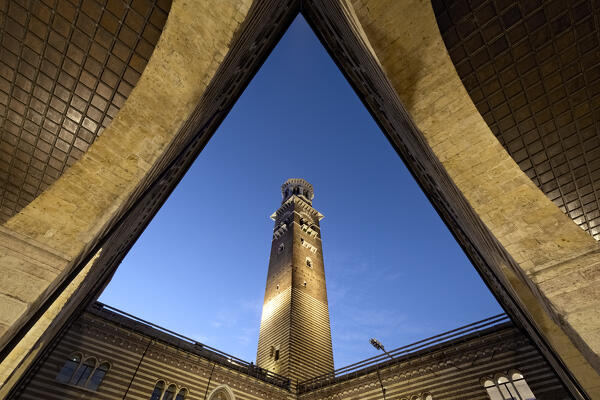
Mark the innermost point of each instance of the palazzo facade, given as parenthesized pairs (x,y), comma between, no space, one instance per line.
(109,354)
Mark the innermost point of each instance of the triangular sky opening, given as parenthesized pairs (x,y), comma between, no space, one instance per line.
(393,269)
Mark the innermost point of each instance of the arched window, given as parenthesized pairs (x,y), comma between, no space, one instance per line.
(84,371)
(181,395)
(68,368)
(98,376)
(170,393)
(281,247)
(222,392)
(511,387)
(88,374)
(507,388)
(521,386)
(158,390)
(492,390)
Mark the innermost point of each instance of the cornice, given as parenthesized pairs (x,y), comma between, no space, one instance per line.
(456,357)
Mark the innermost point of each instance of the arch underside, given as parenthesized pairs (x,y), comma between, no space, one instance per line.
(540,265)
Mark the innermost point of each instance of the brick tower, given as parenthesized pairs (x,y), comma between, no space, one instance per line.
(295,337)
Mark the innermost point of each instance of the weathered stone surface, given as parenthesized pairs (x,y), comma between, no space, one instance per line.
(67,69)
(533,230)
(71,214)
(21,357)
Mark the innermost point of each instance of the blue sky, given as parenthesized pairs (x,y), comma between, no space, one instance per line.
(393,270)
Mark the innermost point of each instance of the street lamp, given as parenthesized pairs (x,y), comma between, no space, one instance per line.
(377,344)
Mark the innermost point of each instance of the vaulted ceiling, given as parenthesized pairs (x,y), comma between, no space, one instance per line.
(532,68)
(66,68)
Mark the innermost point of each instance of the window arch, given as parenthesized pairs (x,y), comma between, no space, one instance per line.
(170,392)
(492,390)
(222,392)
(84,372)
(522,387)
(158,390)
(69,367)
(181,395)
(508,387)
(98,376)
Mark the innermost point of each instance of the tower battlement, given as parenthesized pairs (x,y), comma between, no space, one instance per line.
(298,187)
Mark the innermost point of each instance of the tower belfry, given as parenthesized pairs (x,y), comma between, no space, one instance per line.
(295,335)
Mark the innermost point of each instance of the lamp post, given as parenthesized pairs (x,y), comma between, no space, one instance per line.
(377,344)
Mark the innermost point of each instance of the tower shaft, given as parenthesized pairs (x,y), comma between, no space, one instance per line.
(295,334)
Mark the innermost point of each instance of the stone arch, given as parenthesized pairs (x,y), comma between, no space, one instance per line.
(521,243)
(524,247)
(65,224)
(222,392)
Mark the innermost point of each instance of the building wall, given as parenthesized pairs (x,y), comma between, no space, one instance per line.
(453,373)
(127,351)
(140,356)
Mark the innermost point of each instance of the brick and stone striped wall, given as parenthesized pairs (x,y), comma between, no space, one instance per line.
(450,372)
(138,361)
(140,356)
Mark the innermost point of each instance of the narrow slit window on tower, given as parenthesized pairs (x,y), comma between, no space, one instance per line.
(281,247)
(308,262)
(276,354)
